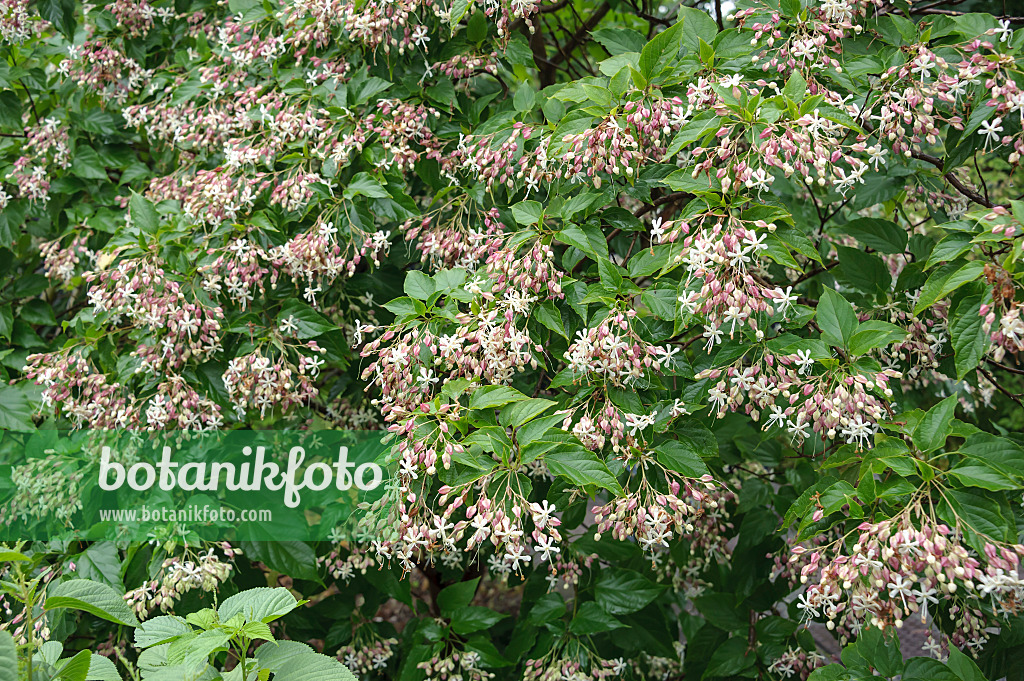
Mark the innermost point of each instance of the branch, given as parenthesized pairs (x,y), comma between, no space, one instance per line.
(953,179)
(815,272)
(583,31)
(993,381)
(668,198)
(1012,370)
(553,8)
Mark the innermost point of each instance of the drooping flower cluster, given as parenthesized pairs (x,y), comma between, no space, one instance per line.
(834,403)
(261,382)
(47,487)
(555,668)
(102,68)
(464,66)
(173,329)
(61,263)
(368,657)
(454,666)
(897,569)
(182,574)
(651,516)
(15,22)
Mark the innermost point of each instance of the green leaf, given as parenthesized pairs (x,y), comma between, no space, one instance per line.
(620,591)
(202,646)
(8,657)
(591,618)
(963,666)
(161,629)
(525,98)
(582,467)
(945,280)
(257,631)
(518,413)
(364,185)
(18,410)
(527,212)
(143,214)
(75,668)
(980,475)
(681,456)
(443,92)
(405,307)
(458,10)
(6,322)
(836,319)
(60,13)
(87,164)
(874,334)
(863,271)
(262,604)
(704,123)
(308,323)
(729,659)
(882,235)
(796,87)
(927,669)
(967,334)
(491,396)
(547,314)
(102,669)
(981,513)
(951,247)
(474,618)
(936,425)
(10,111)
(697,26)
(720,610)
(457,596)
(666,43)
(418,285)
(578,203)
(92,597)
(995,451)
(619,40)
(313,667)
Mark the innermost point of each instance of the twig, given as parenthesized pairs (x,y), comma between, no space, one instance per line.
(992,380)
(668,198)
(952,179)
(583,31)
(815,272)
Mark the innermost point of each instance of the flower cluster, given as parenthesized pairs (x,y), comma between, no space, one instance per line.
(897,569)
(205,571)
(61,263)
(456,665)
(261,382)
(15,22)
(102,68)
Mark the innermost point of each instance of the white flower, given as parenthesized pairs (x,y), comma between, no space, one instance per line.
(657,231)
(288,326)
(1004,32)
(546,547)
(799,428)
(804,361)
(714,336)
(426,377)
(991,130)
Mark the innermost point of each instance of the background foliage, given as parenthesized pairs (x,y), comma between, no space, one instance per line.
(691,324)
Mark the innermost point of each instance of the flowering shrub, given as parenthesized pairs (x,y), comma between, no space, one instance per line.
(695,332)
